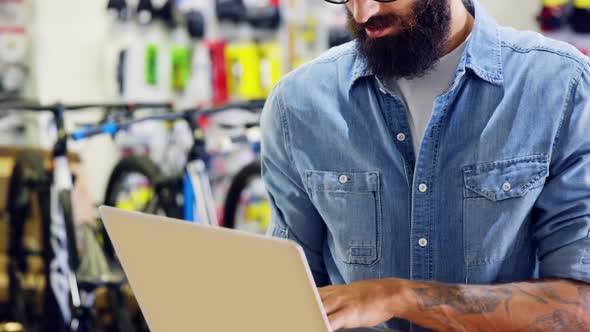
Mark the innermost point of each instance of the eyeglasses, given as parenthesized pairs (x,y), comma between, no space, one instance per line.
(340,2)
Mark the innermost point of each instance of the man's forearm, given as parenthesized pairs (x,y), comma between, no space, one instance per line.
(552,305)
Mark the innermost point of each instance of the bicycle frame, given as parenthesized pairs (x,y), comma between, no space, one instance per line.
(62,236)
(62,296)
(198,196)
(197,188)
(61,247)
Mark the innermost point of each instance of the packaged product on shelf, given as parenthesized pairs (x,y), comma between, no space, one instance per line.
(14,46)
(580,19)
(554,14)
(218,71)
(243,69)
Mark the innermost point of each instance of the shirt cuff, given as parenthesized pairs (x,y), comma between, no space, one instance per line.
(569,262)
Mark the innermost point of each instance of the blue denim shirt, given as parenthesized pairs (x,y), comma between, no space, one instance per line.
(500,189)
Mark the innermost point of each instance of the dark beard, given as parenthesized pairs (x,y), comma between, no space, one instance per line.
(413,50)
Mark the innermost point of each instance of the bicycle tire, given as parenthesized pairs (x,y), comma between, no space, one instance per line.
(238,184)
(17,305)
(127,165)
(27,174)
(164,188)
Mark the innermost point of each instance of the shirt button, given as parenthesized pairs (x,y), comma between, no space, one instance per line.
(401,137)
(422,187)
(343,179)
(422,242)
(506,187)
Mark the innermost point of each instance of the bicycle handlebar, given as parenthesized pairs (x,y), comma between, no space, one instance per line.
(75,107)
(112,128)
(253,106)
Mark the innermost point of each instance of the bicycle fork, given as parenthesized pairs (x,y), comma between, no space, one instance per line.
(199,204)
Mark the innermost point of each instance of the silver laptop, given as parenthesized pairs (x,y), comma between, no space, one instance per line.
(189,277)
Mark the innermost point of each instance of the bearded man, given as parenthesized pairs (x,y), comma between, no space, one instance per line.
(436,172)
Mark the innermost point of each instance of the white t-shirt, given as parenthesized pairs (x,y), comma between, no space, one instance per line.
(419,93)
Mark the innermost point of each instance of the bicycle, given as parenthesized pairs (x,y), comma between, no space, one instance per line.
(138,183)
(70,279)
(171,195)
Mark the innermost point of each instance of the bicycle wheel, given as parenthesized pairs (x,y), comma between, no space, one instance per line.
(246,205)
(138,184)
(27,175)
(131,186)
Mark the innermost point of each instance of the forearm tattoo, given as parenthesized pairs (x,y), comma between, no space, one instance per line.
(558,320)
(537,306)
(469,301)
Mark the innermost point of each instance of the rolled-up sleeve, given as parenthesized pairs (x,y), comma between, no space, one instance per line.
(294,216)
(562,211)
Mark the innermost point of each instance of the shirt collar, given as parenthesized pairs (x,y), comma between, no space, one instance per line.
(483,53)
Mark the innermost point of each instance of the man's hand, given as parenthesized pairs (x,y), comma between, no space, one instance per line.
(362,304)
